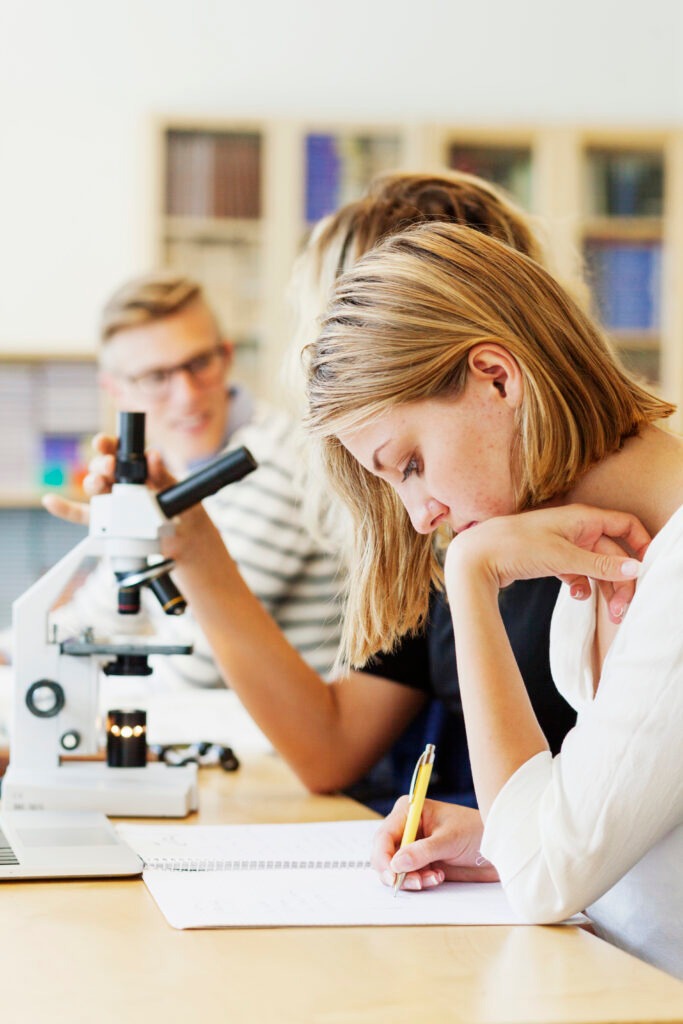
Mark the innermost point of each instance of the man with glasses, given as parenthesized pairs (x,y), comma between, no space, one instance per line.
(163,353)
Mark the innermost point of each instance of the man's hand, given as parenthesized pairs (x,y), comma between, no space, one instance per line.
(100,479)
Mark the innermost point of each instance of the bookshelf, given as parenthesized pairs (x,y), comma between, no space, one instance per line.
(506,156)
(610,205)
(49,410)
(235,199)
(622,238)
(211,222)
(240,237)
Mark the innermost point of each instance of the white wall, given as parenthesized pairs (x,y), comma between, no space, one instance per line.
(81,81)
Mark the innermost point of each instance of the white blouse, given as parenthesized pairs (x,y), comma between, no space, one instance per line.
(600,826)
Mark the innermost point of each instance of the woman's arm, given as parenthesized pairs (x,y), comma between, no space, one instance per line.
(572,542)
(560,833)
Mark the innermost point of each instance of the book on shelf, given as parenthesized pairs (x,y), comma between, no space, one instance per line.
(626,279)
(509,167)
(213,174)
(48,411)
(622,183)
(340,167)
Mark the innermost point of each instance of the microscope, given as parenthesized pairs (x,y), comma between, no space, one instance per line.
(57,732)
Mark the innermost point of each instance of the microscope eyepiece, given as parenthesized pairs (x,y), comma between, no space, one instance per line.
(131,464)
(226,469)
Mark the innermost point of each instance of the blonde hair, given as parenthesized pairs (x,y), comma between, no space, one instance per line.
(146,299)
(393,203)
(399,329)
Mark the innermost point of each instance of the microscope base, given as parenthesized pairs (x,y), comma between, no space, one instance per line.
(155,791)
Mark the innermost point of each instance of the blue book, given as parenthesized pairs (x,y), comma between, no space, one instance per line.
(626,278)
(323,176)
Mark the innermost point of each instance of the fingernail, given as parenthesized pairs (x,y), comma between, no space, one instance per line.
(576,592)
(412,883)
(388,877)
(619,610)
(431,878)
(630,568)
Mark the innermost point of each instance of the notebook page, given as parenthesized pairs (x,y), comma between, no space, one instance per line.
(271,875)
(322,897)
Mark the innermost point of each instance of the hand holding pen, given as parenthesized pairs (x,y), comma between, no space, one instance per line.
(416,801)
(447,851)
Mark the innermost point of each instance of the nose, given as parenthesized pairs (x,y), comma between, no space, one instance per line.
(426,515)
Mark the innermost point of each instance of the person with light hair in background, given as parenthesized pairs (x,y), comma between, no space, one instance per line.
(163,352)
(490,405)
(333,735)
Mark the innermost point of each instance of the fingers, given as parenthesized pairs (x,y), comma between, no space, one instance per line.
(388,838)
(105,444)
(593,523)
(387,842)
(157,474)
(618,594)
(62,508)
(599,565)
(424,854)
(579,586)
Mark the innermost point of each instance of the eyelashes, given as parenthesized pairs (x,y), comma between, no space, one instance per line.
(411,467)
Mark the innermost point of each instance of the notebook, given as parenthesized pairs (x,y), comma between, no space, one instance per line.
(62,844)
(249,876)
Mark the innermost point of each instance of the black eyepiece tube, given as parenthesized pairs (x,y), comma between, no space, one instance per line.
(131,464)
(194,488)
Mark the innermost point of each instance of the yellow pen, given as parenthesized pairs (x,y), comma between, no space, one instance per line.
(418,792)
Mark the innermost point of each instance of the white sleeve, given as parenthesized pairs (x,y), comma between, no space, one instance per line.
(563,831)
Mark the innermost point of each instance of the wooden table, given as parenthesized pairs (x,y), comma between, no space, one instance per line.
(101,952)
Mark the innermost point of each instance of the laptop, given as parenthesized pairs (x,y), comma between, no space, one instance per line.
(62,844)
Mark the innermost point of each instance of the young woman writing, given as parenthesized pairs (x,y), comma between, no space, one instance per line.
(456,385)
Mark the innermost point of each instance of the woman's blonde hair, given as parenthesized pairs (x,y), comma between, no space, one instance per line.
(393,203)
(399,329)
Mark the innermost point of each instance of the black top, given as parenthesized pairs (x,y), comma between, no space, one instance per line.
(427,663)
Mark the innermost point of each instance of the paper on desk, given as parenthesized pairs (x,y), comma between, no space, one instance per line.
(262,894)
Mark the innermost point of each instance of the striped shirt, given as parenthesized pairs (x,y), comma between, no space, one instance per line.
(261,521)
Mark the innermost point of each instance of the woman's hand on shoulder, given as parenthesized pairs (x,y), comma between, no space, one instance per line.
(574,542)
(448,849)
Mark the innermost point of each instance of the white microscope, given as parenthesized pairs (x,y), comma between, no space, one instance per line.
(56,723)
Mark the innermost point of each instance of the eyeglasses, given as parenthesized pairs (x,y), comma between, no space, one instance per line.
(205,369)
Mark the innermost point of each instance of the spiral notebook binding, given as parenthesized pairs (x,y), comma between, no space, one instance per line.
(210,864)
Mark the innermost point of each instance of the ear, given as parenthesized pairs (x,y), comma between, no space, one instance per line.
(492,367)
